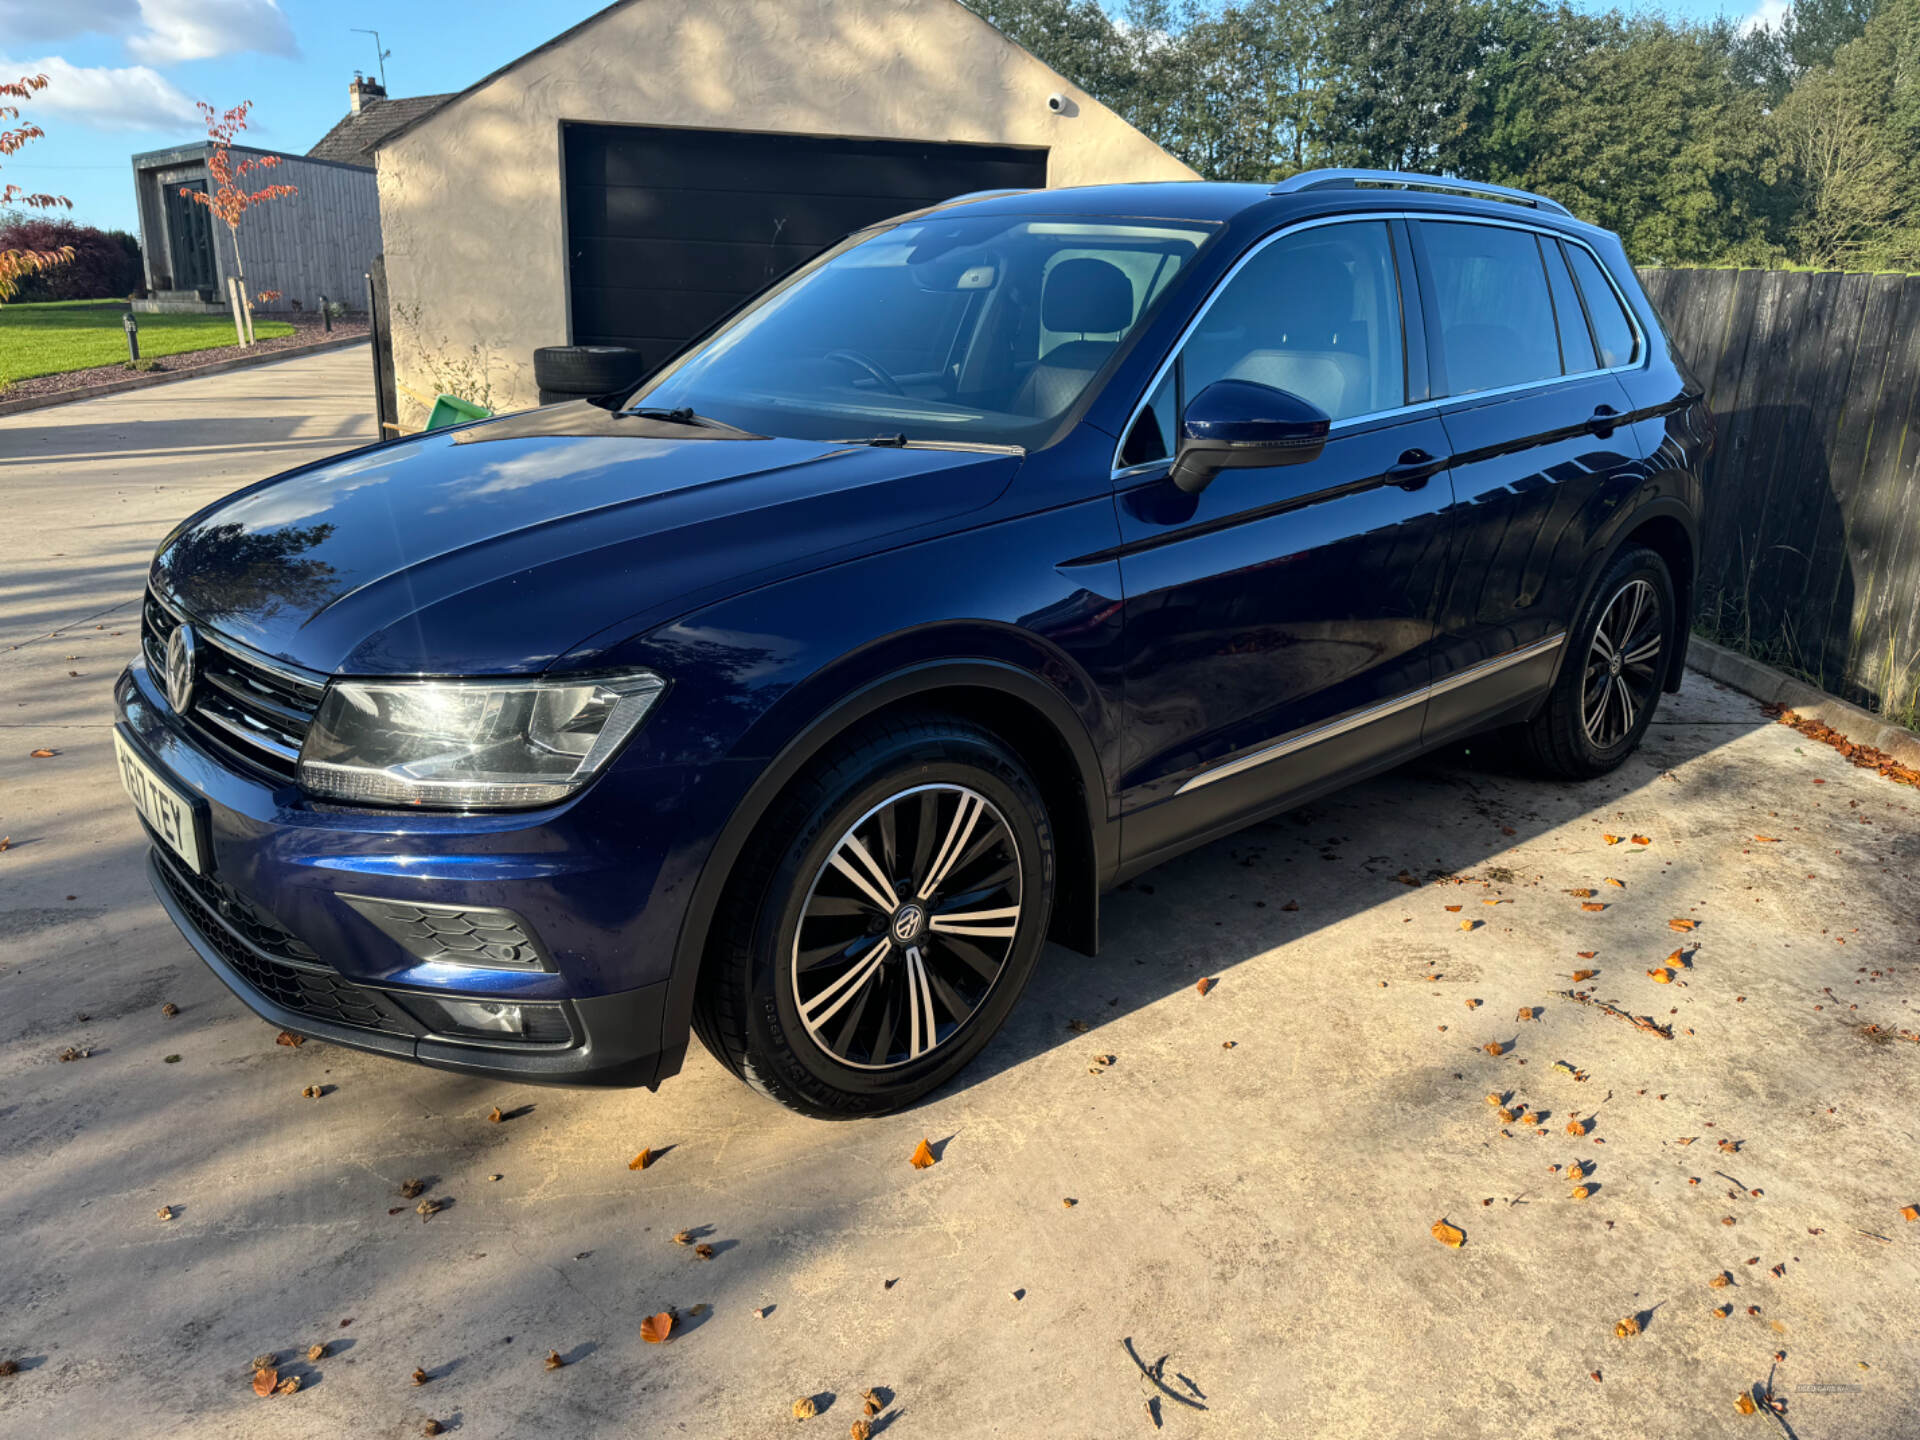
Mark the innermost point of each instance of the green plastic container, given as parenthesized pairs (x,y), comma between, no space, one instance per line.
(452,410)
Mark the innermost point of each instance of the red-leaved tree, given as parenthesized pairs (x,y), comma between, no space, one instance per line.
(228,198)
(16,265)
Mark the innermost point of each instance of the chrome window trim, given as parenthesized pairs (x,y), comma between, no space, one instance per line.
(1353,720)
(1642,350)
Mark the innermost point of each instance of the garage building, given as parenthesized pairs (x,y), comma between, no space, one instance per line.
(637,176)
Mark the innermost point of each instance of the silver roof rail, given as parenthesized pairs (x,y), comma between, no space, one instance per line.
(1408,180)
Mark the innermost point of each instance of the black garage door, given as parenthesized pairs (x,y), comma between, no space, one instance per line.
(667,230)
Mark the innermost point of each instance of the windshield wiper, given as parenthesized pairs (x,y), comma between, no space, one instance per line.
(901,442)
(680,415)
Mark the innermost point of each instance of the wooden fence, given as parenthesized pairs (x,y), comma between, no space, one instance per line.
(1811,555)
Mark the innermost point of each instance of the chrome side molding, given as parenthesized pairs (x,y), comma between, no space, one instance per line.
(1353,720)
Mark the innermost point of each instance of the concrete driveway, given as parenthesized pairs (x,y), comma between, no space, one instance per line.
(1253,1181)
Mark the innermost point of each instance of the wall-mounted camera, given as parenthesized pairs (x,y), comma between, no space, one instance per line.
(1057,103)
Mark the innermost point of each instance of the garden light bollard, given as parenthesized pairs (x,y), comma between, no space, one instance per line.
(326,315)
(133,337)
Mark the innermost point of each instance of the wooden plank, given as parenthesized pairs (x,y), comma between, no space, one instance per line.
(1826,572)
(1739,380)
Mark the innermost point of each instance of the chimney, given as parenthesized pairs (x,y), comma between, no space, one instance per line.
(362,90)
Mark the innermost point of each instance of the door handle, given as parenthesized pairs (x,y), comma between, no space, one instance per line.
(1414,469)
(1605,419)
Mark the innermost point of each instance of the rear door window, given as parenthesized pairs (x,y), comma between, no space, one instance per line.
(1490,297)
(1612,330)
(1576,341)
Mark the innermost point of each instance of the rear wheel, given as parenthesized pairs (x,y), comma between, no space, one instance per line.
(1610,680)
(883,922)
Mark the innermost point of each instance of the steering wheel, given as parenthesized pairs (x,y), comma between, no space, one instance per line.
(869,366)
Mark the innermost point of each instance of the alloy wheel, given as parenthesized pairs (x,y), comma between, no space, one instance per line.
(907,926)
(1623,664)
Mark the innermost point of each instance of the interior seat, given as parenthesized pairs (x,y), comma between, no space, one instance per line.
(1091,297)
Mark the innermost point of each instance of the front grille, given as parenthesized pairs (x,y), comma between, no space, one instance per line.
(308,988)
(248,708)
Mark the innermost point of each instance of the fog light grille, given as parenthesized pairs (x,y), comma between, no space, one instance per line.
(456,935)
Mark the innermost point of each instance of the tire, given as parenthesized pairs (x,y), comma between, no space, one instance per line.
(557,397)
(1578,734)
(586,369)
(894,1003)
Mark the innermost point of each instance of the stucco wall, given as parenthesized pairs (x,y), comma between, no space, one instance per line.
(471,208)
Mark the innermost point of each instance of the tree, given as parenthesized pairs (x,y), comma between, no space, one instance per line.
(1406,81)
(17,264)
(103,263)
(229,200)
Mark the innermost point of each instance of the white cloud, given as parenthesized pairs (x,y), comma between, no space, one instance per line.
(1768,15)
(132,97)
(160,32)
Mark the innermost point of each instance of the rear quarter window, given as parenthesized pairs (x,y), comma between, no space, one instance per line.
(1612,331)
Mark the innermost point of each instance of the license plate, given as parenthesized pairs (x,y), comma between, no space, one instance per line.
(167,809)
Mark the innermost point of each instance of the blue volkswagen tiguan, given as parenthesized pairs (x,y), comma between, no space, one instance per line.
(799,696)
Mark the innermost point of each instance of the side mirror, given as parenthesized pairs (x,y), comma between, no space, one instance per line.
(1237,424)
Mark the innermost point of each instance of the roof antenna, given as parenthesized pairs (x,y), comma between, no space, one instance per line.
(378,52)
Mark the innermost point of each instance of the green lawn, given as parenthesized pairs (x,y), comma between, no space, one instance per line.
(74,334)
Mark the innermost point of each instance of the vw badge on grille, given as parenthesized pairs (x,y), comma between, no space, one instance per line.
(182,662)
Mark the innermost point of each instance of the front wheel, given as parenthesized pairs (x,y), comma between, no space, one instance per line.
(883,922)
(1604,697)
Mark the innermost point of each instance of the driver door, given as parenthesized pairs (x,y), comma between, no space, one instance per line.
(1280,625)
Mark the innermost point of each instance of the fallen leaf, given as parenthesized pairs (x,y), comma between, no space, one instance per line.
(420,1377)
(165,1212)
(1768,839)
(1643,839)
(430,1427)
(1581,1192)
(1228,1044)
(263,1362)
(923,1157)
(1660,977)
(1469,924)
(1910,1212)
(264,1381)
(1078,1027)
(1581,894)
(656,1328)
(1611,839)
(1593,1374)
(1068,1203)
(1593,906)
(42,754)
(642,1160)
(1579,1127)
(1453,909)
(1743,1402)
(427,1209)
(287,1037)
(1627,1328)
(1206,983)
(494,1115)
(1617,884)
(870,1403)
(1720,1281)
(860,1430)
(288,1386)
(1495,1097)
(704,1251)
(409,1189)
(1449,1235)
(761,1313)
(169,1009)
(312,1092)
(804,1408)
(553,1360)
(1580,975)
(317,1352)
(1496,1047)
(1473,1004)
(1683,924)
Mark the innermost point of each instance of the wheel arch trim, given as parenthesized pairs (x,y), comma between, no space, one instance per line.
(881,693)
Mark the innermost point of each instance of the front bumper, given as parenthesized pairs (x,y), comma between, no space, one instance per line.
(280,915)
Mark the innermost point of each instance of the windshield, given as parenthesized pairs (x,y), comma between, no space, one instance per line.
(976,330)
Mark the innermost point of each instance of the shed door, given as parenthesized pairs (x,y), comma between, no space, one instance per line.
(667,230)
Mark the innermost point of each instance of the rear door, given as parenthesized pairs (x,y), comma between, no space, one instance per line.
(1279,624)
(1540,461)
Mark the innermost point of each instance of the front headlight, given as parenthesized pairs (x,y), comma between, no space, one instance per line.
(469,744)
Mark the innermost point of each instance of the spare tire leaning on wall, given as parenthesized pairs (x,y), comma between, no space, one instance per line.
(569,372)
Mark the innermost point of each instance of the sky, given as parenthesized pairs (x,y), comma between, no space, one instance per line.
(125,73)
